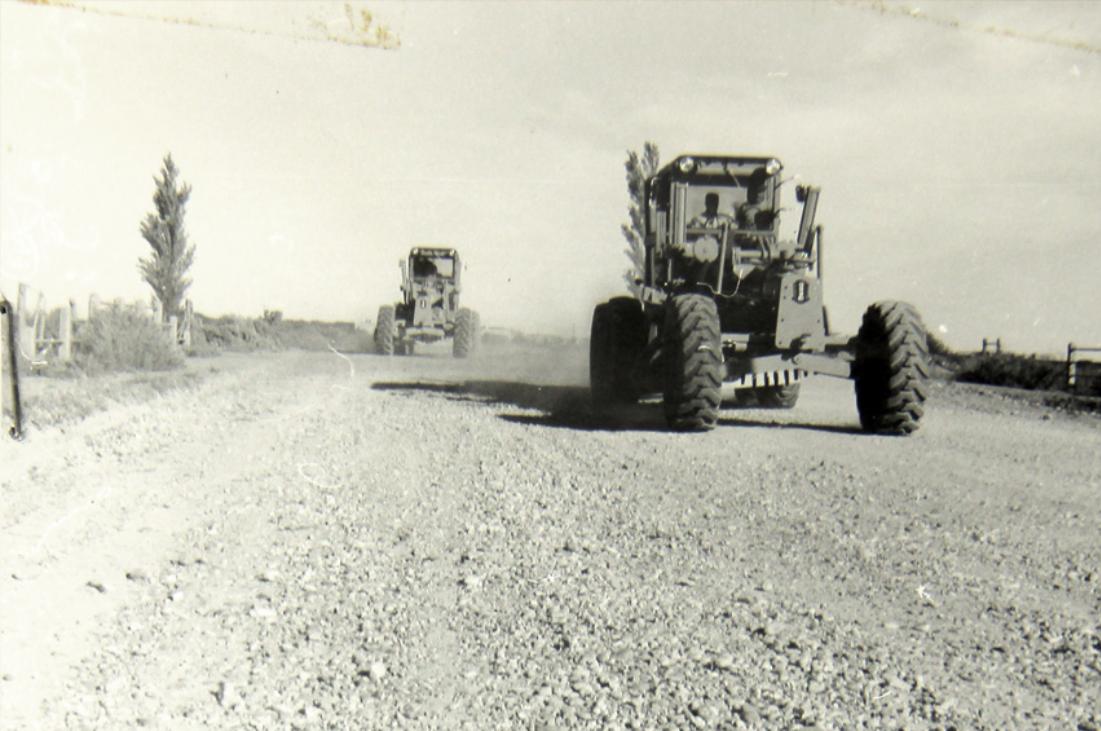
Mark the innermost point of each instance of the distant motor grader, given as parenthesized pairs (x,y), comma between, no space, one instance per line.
(429,311)
(724,300)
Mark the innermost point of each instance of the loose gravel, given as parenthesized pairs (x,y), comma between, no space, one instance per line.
(418,543)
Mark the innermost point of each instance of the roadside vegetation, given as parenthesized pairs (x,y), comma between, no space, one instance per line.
(121,338)
(1029,376)
(273,332)
(124,356)
(68,400)
(1015,371)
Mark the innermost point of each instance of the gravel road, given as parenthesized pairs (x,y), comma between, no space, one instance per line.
(314,541)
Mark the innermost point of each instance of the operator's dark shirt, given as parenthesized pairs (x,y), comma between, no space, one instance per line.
(753,217)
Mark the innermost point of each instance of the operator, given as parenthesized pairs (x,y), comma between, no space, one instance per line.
(751,214)
(425,268)
(710,218)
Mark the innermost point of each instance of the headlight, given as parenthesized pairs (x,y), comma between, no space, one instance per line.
(772,166)
(686,165)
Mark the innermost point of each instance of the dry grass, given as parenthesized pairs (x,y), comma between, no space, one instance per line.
(236,334)
(121,338)
(275,333)
(51,402)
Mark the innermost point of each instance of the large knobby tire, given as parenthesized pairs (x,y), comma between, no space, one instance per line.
(601,379)
(617,341)
(891,368)
(466,333)
(693,360)
(384,330)
(778,397)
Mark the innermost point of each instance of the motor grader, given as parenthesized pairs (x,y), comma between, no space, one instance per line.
(429,310)
(724,299)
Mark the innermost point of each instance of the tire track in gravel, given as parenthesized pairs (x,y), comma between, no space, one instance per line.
(356,530)
(91,509)
(873,493)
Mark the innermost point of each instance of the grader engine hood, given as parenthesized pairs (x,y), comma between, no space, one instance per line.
(430,301)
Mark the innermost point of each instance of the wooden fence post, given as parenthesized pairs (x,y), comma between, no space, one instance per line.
(185,335)
(72,320)
(10,404)
(1070,367)
(40,324)
(7,358)
(25,326)
(65,334)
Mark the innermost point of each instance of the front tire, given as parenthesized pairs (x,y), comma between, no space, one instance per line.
(617,340)
(891,368)
(466,333)
(693,360)
(384,330)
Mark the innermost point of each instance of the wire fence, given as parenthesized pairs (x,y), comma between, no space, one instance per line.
(34,337)
(45,335)
(1083,372)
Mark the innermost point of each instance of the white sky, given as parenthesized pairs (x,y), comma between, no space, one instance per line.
(960,166)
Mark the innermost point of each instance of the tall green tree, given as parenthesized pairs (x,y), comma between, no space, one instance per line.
(165,269)
(639,166)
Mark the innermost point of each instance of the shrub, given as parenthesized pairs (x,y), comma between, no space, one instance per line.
(316,335)
(1088,376)
(200,346)
(937,346)
(235,333)
(121,338)
(1018,371)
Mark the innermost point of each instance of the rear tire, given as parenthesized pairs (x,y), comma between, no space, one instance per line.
(891,368)
(617,341)
(384,330)
(693,361)
(778,397)
(743,398)
(466,333)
